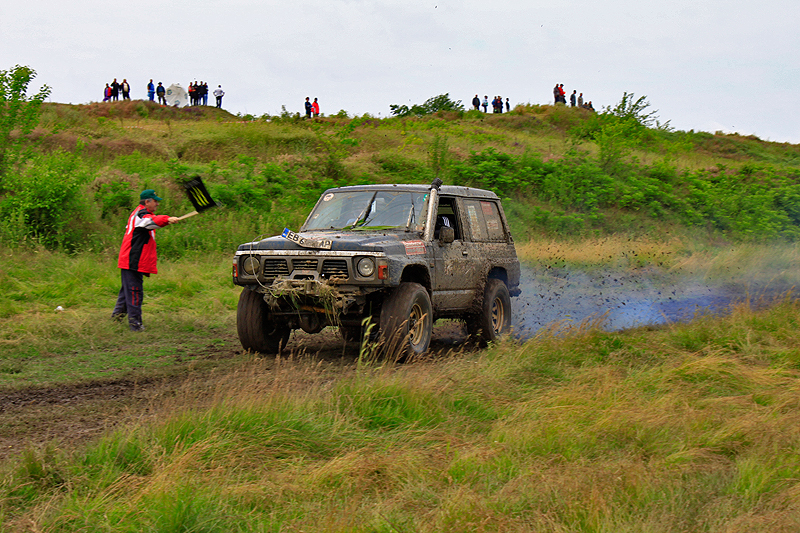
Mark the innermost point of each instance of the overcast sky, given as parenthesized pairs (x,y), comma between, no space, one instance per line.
(709,65)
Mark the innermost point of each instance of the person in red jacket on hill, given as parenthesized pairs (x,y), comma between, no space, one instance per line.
(137,257)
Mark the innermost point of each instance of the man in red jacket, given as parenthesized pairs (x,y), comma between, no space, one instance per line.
(137,257)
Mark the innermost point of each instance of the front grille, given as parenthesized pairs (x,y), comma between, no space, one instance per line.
(275,267)
(334,267)
(305,264)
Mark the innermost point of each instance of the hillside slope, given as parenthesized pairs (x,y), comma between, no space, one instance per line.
(565,171)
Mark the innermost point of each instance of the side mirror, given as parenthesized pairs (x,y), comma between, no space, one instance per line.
(446,235)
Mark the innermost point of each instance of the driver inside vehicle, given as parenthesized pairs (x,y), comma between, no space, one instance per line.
(441,221)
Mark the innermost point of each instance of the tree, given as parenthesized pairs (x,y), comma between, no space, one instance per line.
(19,113)
(431,105)
(635,110)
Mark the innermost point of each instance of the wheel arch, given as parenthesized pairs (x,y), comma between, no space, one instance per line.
(417,274)
(498,273)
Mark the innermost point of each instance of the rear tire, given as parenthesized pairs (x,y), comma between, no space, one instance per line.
(495,318)
(257,331)
(407,320)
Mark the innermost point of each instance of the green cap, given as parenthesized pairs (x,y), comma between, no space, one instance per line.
(149,193)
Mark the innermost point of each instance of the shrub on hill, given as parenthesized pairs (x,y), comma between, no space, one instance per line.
(432,105)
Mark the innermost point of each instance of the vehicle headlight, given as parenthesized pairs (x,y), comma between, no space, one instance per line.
(250,266)
(365,267)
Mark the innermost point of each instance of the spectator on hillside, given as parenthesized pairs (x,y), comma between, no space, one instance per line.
(315,108)
(107,93)
(308,108)
(572,98)
(192,90)
(485,103)
(204,92)
(218,94)
(559,94)
(161,93)
(580,100)
(476,103)
(151,90)
(114,90)
(126,89)
(508,106)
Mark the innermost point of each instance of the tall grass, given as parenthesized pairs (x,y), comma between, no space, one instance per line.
(635,431)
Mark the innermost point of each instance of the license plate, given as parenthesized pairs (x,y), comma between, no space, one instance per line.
(324,244)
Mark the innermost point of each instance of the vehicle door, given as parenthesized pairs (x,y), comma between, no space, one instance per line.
(486,244)
(452,262)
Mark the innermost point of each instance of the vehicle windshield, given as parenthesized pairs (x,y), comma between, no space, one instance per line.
(369,210)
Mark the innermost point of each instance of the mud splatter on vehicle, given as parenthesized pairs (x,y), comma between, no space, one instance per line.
(384,259)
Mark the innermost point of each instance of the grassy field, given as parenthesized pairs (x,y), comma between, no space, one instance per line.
(190,305)
(680,427)
(690,427)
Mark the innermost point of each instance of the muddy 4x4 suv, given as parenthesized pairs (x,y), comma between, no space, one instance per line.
(401,256)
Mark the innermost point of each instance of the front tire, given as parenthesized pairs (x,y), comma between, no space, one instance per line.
(407,320)
(257,331)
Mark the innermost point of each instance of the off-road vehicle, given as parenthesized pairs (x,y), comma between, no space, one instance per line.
(398,257)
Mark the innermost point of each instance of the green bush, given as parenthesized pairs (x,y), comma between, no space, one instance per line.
(45,197)
(114,197)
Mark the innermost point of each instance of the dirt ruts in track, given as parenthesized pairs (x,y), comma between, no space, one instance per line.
(75,414)
(71,414)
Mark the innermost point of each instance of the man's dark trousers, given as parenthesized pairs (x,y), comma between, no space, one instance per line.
(130,298)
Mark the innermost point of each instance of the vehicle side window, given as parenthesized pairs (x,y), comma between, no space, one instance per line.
(447,216)
(484,219)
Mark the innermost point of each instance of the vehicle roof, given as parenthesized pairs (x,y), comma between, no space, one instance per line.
(450,190)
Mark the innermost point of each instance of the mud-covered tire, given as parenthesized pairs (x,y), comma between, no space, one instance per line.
(257,331)
(495,318)
(407,320)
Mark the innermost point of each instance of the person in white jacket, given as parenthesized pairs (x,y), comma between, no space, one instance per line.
(219,93)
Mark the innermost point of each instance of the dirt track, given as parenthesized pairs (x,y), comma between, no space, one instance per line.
(72,415)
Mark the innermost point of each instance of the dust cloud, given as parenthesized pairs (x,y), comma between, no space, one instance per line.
(560,298)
